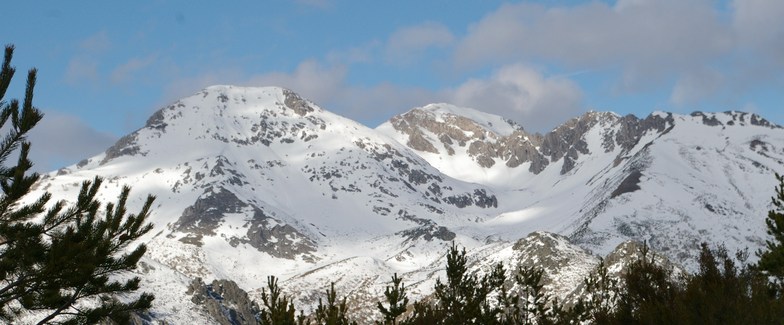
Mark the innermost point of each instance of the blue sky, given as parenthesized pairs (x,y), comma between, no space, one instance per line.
(105,66)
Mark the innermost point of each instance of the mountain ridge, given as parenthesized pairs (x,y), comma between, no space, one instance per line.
(260,181)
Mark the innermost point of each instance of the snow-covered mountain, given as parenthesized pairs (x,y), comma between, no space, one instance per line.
(254,182)
(601,179)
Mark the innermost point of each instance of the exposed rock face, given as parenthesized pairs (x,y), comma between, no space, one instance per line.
(632,128)
(414,174)
(453,132)
(710,121)
(278,239)
(427,229)
(206,214)
(479,198)
(427,130)
(264,233)
(564,264)
(732,118)
(428,232)
(224,301)
(296,103)
(567,141)
(629,184)
(126,146)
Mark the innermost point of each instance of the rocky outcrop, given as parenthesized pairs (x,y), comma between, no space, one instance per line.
(206,214)
(126,146)
(427,229)
(264,233)
(296,103)
(277,239)
(428,232)
(417,177)
(565,265)
(426,131)
(454,132)
(628,185)
(478,198)
(226,302)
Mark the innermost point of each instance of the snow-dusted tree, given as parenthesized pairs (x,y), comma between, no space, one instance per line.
(60,262)
(278,308)
(397,300)
(334,312)
(772,259)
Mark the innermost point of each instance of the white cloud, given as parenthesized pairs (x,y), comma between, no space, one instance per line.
(61,139)
(83,66)
(81,69)
(126,70)
(758,22)
(407,43)
(185,86)
(516,91)
(522,94)
(310,79)
(375,105)
(98,42)
(759,28)
(365,53)
(694,86)
(650,41)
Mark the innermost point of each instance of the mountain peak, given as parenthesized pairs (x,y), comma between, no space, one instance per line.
(223,115)
(493,123)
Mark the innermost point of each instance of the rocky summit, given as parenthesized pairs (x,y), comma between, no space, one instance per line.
(252,182)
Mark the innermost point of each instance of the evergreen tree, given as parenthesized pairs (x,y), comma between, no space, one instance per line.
(648,292)
(719,293)
(531,305)
(424,314)
(491,282)
(54,260)
(397,301)
(457,298)
(334,312)
(602,293)
(279,310)
(772,259)
(463,298)
(535,301)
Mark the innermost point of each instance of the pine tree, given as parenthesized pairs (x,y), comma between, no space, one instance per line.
(396,301)
(602,294)
(772,259)
(279,308)
(463,298)
(424,314)
(53,260)
(648,292)
(334,312)
(456,297)
(536,303)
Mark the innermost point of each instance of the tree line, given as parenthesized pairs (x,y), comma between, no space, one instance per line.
(724,290)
